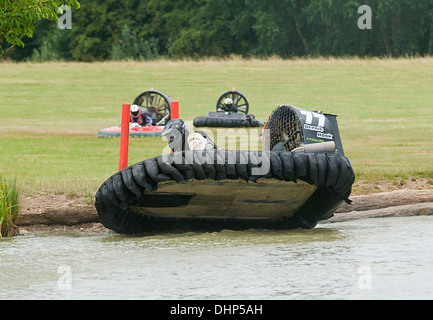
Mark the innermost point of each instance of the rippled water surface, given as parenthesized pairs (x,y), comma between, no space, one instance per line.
(380,258)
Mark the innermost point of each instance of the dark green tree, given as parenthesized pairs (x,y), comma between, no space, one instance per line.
(18,19)
(142,29)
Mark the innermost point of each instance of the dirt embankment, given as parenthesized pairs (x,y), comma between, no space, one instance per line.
(386,204)
(63,212)
(57,212)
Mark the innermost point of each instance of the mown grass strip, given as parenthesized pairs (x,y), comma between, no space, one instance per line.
(50,113)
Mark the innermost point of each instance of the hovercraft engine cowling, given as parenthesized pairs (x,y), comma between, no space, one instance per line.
(289,128)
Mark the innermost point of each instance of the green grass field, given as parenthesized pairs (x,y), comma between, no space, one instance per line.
(50,113)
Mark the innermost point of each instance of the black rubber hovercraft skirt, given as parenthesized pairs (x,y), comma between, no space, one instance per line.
(227,120)
(218,189)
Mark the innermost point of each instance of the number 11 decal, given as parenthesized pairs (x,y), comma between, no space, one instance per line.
(309,117)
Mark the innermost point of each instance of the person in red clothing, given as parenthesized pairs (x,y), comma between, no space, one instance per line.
(139,117)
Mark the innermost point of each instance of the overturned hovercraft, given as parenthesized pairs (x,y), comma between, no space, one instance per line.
(299,178)
(231,112)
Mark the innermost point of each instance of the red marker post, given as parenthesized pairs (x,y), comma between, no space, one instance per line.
(124,136)
(174,110)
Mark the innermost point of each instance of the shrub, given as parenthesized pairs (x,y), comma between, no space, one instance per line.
(8,208)
(132,46)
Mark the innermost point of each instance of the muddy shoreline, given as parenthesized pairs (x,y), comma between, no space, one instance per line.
(75,213)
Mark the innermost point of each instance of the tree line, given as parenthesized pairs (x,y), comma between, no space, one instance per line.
(147,29)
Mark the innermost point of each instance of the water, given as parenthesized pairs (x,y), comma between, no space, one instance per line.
(378,258)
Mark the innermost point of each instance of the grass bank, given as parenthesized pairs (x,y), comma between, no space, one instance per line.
(50,113)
